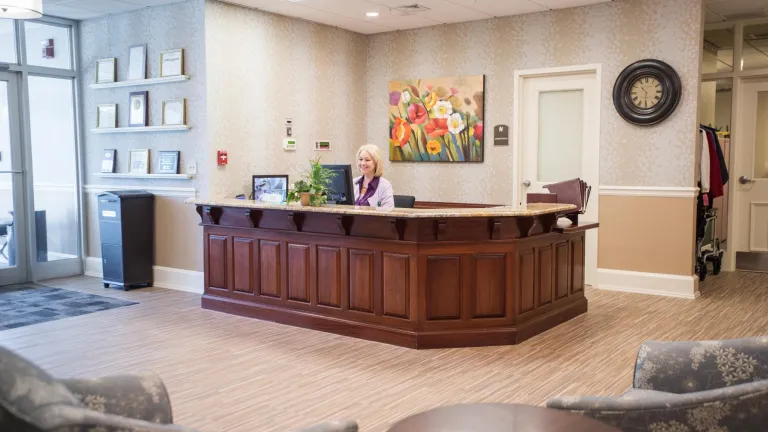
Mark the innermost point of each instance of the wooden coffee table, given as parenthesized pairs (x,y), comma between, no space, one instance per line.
(498,418)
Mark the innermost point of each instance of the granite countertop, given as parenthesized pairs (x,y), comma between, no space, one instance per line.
(503,211)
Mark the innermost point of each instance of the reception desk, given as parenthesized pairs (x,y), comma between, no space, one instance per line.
(418,278)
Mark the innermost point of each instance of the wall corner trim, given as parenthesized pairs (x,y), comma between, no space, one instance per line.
(650,191)
(648,283)
(165,277)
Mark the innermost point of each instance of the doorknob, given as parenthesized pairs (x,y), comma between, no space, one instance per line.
(745,180)
(527,183)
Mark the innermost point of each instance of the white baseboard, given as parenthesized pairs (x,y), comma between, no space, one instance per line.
(164,277)
(650,191)
(648,283)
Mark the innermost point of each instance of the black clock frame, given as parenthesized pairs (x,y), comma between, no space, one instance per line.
(671,92)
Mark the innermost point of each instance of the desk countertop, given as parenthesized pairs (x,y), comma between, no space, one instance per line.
(503,211)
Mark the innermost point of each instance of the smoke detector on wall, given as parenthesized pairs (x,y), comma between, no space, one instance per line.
(406,10)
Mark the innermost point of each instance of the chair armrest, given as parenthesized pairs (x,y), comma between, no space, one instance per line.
(742,407)
(67,418)
(333,426)
(685,367)
(136,396)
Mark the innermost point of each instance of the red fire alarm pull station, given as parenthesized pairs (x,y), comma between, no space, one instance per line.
(221,157)
(48,48)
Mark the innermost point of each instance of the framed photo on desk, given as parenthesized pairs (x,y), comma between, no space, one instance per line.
(270,188)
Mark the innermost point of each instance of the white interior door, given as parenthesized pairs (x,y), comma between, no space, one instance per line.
(750,178)
(558,117)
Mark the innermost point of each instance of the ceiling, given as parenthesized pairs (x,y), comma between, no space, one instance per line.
(346,14)
(729,10)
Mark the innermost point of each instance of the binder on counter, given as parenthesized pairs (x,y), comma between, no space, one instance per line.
(574,191)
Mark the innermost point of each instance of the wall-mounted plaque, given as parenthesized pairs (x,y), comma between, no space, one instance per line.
(501,135)
(137,62)
(168,162)
(174,112)
(138,109)
(106,116)
(138,161)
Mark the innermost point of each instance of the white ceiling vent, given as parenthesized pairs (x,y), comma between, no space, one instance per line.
(408,9)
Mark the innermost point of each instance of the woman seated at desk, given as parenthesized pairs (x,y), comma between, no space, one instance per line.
(371,189)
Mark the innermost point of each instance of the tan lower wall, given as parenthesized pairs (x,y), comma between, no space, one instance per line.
(178,236)
(647,234)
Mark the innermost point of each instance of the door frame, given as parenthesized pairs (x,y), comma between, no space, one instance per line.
(517,134)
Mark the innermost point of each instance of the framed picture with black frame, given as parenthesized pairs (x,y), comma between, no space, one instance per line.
(270,188)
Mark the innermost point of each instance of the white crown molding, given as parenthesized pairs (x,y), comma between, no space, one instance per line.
(184,192)
(648,283)
(650,191)
(164,277)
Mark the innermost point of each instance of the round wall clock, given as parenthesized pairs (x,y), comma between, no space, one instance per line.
(646,92)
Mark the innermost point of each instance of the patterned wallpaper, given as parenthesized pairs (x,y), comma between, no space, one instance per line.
(613,34)
(179,25)
(264,68)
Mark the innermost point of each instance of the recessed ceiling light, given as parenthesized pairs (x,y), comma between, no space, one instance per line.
(372,14)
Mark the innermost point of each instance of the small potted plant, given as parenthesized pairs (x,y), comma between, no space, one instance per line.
(312,188)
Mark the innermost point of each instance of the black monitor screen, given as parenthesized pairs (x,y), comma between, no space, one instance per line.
(341,191)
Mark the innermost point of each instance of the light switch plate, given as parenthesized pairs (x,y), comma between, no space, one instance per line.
(191,167)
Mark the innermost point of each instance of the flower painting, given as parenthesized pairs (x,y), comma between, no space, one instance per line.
(436,120)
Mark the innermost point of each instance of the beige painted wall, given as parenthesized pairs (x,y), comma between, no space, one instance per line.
(264,68)
(613,34)
(647,234)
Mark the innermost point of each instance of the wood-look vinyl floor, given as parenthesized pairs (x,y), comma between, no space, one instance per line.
(227,373)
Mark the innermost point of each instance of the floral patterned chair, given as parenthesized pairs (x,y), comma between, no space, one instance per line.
(33,401)
(716,386)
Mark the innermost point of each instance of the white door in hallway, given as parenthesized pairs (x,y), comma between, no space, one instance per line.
(557,122)
(750,178)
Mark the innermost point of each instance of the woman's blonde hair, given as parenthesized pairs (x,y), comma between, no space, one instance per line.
(373,151)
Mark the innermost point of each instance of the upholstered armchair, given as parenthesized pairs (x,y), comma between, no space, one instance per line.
(714,386)
(33,401)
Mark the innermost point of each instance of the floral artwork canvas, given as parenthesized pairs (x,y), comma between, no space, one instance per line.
(437,120)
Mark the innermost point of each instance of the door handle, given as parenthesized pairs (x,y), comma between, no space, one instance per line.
(745,180)
(527,183)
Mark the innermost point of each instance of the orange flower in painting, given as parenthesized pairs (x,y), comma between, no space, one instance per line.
(437,127)
(401,132)
(430,100)
(434,147)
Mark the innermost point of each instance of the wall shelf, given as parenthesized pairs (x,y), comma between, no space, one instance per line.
(133,83)
(146,176)
(142,129)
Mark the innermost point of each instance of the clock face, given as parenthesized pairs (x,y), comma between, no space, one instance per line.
(646,92)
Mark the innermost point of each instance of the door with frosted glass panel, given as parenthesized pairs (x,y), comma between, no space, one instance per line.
(13,252)
(559,121)
(750,178)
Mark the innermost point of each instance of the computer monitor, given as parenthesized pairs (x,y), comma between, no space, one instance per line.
(340,191)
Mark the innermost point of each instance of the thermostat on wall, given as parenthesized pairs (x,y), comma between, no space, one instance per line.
(324,145)
(289,144)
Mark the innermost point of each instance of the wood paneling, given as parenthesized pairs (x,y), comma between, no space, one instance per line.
(577,264)
(242,262)
(217,261)
(527,280)
(443,288)
(361,272)
(329,276)
(396,284)
(489,287)
(545,274)
(270,268)
(562,267)
(298,272)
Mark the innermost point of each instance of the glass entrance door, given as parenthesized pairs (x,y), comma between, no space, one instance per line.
(13,242)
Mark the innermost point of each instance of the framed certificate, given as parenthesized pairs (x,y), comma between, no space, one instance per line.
(168,162)
(137,62)
(138,161)
(138,112)
(106,70)
(106,116)
(108,162)
(172,62)
(174,112)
